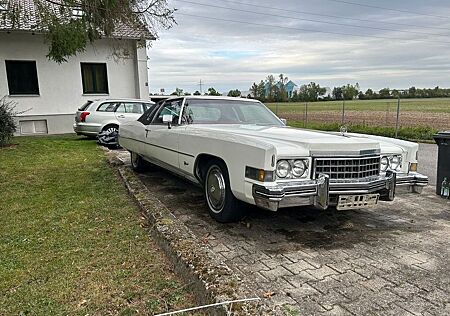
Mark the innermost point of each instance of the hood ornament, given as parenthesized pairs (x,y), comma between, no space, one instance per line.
(343,130)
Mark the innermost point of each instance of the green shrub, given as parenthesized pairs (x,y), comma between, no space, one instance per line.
(7,124)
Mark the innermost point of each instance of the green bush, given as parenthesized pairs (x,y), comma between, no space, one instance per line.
(7,124)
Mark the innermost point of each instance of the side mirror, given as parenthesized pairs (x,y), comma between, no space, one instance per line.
(168,118)
(284,121)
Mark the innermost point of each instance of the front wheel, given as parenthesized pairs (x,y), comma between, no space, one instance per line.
(137,163)
(222,204)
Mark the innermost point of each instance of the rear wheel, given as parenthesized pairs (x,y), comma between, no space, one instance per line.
(137,163)
(222,204)
(109,136)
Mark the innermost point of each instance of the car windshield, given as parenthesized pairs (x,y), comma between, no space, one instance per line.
(228,112)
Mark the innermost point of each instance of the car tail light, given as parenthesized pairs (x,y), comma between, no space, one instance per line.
(83,116)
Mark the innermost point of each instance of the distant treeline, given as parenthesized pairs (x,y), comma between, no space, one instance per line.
(272,90)
(412,92)
(281,89)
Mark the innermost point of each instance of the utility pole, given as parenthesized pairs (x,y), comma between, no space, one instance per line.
(201,87)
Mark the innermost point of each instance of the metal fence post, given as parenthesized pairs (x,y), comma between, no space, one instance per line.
(398,117)
(343,111)
(306,114)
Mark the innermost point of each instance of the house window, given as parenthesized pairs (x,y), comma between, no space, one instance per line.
(22,77)
(95,78)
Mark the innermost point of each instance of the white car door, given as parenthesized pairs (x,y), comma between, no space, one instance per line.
(163,140)
(129,111)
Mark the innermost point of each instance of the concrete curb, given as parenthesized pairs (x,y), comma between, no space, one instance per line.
(211,281)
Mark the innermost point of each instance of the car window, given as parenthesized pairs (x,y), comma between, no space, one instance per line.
(147,117)
(217,111)
(85,106)
(107,107)
(201,114)
(172,107)
(130,107)
(253,113)
(121,108)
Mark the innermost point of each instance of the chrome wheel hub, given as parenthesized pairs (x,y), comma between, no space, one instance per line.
(215,189)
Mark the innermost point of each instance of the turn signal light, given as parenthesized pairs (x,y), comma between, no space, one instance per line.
(413,167)
(83,116)
(259,174)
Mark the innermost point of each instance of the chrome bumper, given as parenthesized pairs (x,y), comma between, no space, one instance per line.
(324,192)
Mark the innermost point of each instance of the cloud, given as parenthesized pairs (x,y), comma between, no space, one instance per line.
(230,55)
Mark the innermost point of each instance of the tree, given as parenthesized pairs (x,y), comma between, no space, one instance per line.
(7,123)
(385,93)
(178,92)
(69,25)
(254,90)
(261,91)
(349,91)
(212,91)
(369,93)
(234,93)
(270,87)
(197,93)
(282,87)
(338,93)
(311,92)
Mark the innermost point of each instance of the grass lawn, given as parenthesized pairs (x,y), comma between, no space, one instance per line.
(71,240)
(433,105)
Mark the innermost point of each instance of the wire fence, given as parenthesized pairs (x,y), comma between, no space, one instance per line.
(392,113)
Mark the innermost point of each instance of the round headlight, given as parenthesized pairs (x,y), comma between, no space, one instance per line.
(384,164)
(395,163)
(283,168)
(298,168)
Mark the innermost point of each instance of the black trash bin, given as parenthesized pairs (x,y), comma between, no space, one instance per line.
(443,169)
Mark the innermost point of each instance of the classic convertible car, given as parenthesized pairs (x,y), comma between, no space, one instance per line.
(239,151)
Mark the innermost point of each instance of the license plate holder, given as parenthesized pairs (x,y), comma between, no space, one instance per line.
(353,202)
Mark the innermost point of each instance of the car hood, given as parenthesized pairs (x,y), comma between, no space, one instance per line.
(293,141)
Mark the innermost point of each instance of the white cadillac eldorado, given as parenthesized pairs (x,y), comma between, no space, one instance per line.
(239,151)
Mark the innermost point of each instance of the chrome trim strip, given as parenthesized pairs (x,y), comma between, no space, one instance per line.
(346,154)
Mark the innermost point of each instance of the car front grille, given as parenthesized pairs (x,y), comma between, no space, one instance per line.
(348,168)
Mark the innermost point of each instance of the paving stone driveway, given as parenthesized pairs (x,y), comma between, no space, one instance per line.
(390,260)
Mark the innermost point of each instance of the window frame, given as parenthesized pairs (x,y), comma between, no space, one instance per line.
(85,92)
(140,104)
(37,92)
(156,114)
(108,102)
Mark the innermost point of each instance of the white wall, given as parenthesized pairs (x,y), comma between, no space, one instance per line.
(60,85)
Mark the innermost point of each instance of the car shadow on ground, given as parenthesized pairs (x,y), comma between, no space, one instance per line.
(286,230)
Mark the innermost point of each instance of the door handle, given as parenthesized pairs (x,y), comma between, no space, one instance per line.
(121,116)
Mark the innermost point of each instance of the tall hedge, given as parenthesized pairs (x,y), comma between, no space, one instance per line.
(7,124)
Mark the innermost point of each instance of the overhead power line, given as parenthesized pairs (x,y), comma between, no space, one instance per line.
(308,20)
(336,16)
(389,9)
(311,30)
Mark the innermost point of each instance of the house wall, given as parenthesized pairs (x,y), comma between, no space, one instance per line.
(60,85)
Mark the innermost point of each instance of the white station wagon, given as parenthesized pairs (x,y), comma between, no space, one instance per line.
(96,116)
(239,151)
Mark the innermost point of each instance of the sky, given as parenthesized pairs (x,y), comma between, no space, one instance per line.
(330,42)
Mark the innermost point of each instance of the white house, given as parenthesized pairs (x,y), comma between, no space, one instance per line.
(50,93)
